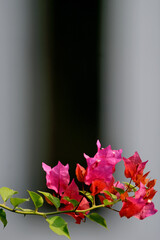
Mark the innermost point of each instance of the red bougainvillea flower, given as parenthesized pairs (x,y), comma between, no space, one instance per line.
(124,195)
(112,190)
(131,207)
(151,183)
(139,207)
(134,168)
(72,192)
(102,165)
(97,187)
(80,173)
(57,178)
(150,192)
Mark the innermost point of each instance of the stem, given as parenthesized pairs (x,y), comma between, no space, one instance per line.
(90,209)
(114,209)
(43,214)
(79,203)
(94,201)
(48,213)
(22,212)
(129,184)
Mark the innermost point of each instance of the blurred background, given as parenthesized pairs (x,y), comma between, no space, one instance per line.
(72,72)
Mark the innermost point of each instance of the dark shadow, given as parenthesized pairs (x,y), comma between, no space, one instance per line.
(70,36)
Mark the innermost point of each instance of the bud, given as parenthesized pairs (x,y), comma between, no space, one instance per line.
(151,183)
(80,173)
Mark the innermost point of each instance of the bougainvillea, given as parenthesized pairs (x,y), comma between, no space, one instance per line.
(99,189)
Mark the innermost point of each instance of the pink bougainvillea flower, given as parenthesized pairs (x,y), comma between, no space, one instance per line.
(80,173)
(72,192)
(98,170)
(102,165)
(57,178)
(141,191)
(111,157)
(147,210)
(117,185)
(140,206)
(147,195)
(134,168)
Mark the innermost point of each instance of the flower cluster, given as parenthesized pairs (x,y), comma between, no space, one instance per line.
(141,205)
(58,180)
(98,181)
(99,189)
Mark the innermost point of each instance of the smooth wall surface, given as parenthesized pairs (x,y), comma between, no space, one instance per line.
(130,103)
(129,109)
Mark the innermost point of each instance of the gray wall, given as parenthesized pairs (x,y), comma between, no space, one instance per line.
(130,103)
(129,118)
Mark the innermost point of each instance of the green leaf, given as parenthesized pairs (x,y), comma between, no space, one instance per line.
(54,200)
(95,217)
(36,198)
(73,201)
(120,190)
(106,202)
(131,186)
(58,225)
(3,217)
(16,201)
(88,195)
(6,193)
(114,197)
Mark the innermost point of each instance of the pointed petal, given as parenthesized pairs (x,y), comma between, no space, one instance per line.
(57,178)
(148,210)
